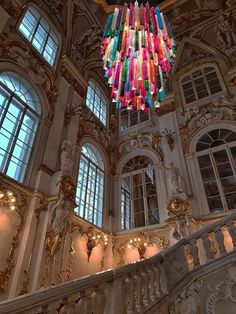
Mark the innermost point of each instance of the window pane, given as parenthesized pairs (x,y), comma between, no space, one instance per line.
(95,101)
(90,185)
(36,29)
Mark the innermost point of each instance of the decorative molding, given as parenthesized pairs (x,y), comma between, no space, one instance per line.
(73,77)
(11,7)
(223,291)
(20,209)
(140,242)
(198,117)
(20,54)
(139,140)
(71,111)
(169,136)
(165,109)
(94,239)
(188,301)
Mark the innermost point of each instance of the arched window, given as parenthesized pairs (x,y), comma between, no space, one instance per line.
(129,118)
(139,199)
(90,185)
(200,84)
(96,102)
(216,153)
(19,118)
(40,34)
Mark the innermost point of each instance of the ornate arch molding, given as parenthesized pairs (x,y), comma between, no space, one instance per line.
(200,120)
(230,125)
(150,153)
(18,56)
(6,66)
(89,139)
(196,53)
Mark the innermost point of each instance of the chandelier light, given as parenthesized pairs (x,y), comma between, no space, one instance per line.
(138,52)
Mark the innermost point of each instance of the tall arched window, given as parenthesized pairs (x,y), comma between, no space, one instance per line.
(40,34)
(139,198)
(90,185)
(96,102)
(19,118)
(216,152)
(200,84)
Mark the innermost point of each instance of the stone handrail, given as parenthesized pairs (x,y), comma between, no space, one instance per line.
(136,287)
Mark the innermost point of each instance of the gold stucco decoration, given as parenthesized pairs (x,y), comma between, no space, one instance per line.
(20,208)
(178,206)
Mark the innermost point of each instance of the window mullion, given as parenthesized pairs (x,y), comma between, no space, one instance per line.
(145,198)
(132,200)
(94,196)
(35,31)
(218,181)
(15,139)
(6,110)
(86,190)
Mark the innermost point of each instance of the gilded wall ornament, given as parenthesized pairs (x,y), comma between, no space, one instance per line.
(169,136)
(178,206)
(20,208)
(198,117)
(141,242)
(162,110)
(22,55)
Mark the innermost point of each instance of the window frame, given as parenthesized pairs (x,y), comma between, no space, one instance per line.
(51,28)
(226,147)
(138,125)
(199,102)
(97,168)
(102,94)
(145,196)
(25,109)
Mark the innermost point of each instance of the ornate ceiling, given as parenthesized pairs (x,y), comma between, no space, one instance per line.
(121,2)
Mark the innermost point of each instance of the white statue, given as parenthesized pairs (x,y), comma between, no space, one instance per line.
(60,215)
(175,179)
(67,159)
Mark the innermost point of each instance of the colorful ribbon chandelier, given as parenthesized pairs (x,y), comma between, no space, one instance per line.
(138,52)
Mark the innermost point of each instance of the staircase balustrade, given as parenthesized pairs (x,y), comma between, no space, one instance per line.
(136,287)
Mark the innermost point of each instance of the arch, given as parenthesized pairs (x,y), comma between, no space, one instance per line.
(40,32)
(90,140)
(216,125)
(144,151)
(8,66)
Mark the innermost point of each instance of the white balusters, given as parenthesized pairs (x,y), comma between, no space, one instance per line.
(220,241)
(131,308)
(232,232)
(146,287)
(139,292)
(194,252)
(207,246)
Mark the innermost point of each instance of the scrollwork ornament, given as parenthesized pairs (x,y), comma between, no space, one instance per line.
(21,207)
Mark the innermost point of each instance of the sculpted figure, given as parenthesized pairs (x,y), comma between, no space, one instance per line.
(89,41)
(175,179)
(225,30)
(60,215)
(67,159)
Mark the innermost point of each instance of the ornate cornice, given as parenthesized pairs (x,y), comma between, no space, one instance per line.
(73,76)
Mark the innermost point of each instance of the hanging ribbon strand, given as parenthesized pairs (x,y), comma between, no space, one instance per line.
(138,52)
